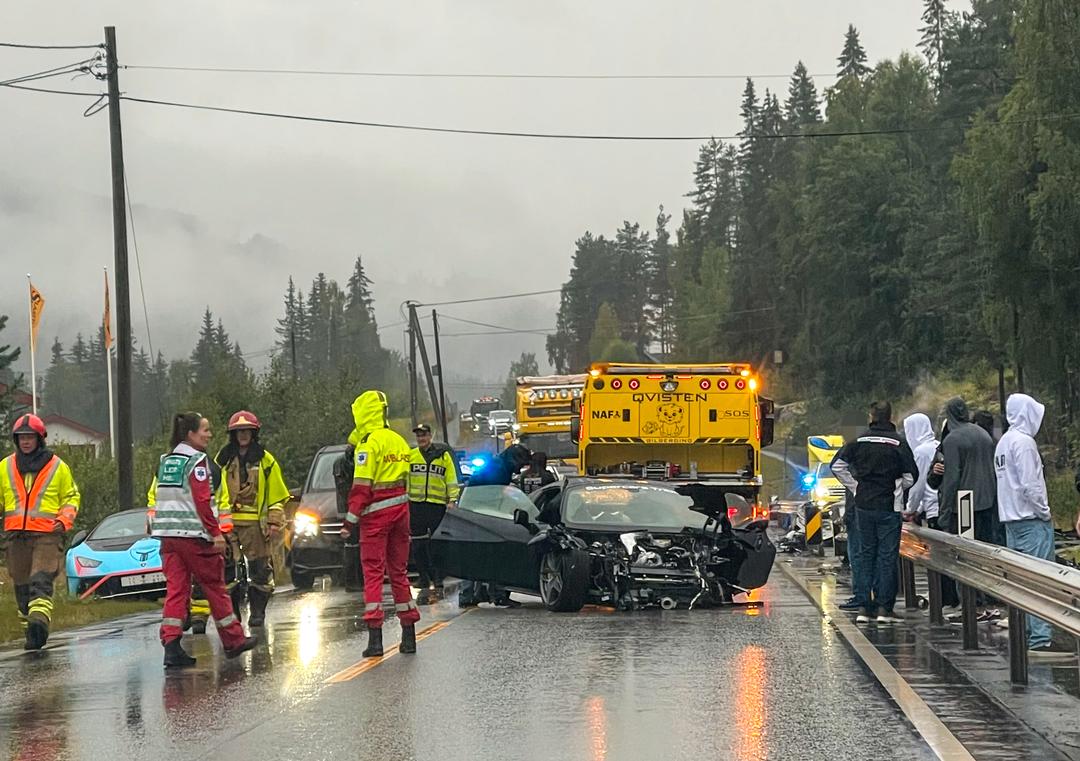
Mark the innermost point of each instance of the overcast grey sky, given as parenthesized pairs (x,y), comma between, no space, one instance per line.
(237,204)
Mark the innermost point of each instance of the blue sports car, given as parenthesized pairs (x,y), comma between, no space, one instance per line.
(116,558)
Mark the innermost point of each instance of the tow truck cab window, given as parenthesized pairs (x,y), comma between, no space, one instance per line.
(496,501)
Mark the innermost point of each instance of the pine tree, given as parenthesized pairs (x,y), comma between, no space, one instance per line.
(661,289)
(803,106)
(7,358)
(852,61)
(361,332)
(937,19)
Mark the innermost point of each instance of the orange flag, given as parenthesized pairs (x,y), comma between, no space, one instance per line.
(108,316)
(37,306)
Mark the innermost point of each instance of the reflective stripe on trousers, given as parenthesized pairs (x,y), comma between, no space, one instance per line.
(383,504)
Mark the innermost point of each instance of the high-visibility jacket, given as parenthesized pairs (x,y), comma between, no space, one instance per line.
(432,475)
(222,512)
(36,501)
(271,493)
(381,460)
(183,503)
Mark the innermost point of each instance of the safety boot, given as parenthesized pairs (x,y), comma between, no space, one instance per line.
(176,657)
(198,626)
(37,634)
(408,639)
(247,644)
(257,600)
(424,597)
(374,642)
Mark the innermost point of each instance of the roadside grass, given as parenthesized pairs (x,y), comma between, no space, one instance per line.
(68,613)
(1064,501)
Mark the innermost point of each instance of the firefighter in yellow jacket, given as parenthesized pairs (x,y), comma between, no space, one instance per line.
(433,486)
(40,501)
(254,490)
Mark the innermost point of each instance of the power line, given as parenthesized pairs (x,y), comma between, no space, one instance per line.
(506,328)
(460,75)
(491,298)
(589,137)
(53,92)
(49,47)
(70,68)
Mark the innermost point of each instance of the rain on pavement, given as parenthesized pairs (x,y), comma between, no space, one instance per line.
(768,680)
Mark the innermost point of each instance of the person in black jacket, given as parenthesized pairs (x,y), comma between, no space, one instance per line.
(877,468)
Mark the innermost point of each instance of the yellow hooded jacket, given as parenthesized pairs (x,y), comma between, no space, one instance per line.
(381,460)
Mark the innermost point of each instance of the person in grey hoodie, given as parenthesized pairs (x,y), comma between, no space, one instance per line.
(968,453)
(921,499)
(1022,500)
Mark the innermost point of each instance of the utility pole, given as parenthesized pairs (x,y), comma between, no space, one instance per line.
(125,469)
(419,343)
(412,366)
(442,387)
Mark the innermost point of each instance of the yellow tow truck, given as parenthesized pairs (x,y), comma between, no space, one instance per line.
(702,422)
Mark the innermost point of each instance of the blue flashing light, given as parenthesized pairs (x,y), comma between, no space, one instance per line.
(478,462)
(808,480)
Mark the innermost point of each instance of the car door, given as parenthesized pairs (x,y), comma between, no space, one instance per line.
(479,540)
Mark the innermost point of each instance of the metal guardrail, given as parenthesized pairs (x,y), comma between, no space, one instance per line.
(1027,585)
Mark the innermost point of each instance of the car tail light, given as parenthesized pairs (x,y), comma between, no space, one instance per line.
(705,384)
(722,384)
(732,512)
(616,383)
(740,384)
(634,384)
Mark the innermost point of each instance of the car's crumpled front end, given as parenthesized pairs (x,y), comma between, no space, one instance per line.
(696,567)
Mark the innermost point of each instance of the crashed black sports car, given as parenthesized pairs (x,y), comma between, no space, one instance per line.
(621,543)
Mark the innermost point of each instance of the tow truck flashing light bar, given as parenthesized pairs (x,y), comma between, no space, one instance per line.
(660,371)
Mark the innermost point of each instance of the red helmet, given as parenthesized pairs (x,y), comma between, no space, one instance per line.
(244,419)
(29,424)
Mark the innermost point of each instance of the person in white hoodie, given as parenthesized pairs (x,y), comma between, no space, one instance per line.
(921,499)
(1023,505)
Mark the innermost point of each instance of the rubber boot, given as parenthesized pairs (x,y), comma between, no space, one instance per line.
(247,644)
(176,657)
(408,639)
(374,643)
(37,634)
(257,600)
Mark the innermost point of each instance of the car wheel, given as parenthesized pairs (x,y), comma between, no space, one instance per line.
(564,580)
(302,580)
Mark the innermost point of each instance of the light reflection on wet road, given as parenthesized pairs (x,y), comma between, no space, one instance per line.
(742,683)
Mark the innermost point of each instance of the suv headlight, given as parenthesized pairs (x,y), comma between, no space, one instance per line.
(305,524)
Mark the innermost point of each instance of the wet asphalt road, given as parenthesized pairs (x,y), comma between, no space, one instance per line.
(771,681)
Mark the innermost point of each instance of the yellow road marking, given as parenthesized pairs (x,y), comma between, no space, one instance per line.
(367,664)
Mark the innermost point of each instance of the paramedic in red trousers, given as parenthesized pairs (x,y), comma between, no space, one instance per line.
(379,503)
(192,544)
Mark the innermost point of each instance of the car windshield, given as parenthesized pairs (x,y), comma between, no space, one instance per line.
(322,472)
(824,471)
(121,525)
(630,506)
(501,415)
(496,501)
